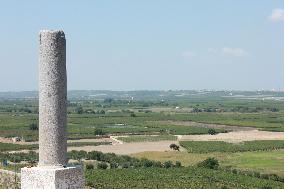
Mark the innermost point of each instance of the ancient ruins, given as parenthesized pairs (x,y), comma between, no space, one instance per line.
(52,171)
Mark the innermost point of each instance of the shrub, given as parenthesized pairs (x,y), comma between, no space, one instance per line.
(89,166)
(224,187)
(99,132)
(132,115)
(102,165)
(168,164)
(113,165)
(212,131)
(178,164)
(33,127)
(210,163)
(125,165)
(266,187)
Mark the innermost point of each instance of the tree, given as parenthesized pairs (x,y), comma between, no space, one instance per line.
(79,110)
(108,100)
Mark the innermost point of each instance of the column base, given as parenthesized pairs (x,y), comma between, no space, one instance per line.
(52,178)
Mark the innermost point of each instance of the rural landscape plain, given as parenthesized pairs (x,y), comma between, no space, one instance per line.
(226,139)
(149,94)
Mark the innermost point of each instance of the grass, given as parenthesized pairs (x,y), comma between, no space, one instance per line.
(88,143)
(265,162)
(187,159)
(15,147)
(147,138)
(270,162)
(221,146)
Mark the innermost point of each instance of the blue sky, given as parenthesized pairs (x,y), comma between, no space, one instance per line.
(148,44)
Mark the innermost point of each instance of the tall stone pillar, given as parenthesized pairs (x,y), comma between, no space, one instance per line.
(52,98)
(52,171)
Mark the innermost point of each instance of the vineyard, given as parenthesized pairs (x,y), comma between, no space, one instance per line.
(15,147)
(193,178)
(220,146)
(147,138)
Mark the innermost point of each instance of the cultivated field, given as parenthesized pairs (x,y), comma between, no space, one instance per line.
(244,135)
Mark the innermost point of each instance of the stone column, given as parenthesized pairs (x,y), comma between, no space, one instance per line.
(52,98)
(52,171)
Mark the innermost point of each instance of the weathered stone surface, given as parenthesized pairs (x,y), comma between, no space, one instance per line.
(9,179)
(52,98)
(52,172)
(52,178)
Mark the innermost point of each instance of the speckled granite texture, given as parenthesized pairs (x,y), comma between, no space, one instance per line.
(51,172)
(52,178)
(52,98)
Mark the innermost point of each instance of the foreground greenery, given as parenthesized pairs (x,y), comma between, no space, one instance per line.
(194,178)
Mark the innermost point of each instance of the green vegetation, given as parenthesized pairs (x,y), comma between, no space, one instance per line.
(270,162)
(147,138)
(14,147)
(194,178)
(88,143)
(118,161)
(210,163)
(220,146)
(155,116)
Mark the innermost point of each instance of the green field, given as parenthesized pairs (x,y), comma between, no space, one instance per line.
(147,138)
(155,116)
(220,146)
(265,162)
(193,178)
(16,147)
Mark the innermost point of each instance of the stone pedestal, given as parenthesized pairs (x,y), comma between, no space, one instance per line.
(52,178)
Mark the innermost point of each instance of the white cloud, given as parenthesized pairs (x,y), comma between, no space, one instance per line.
(234,51)
(212,50)
(188,54)
(277,15)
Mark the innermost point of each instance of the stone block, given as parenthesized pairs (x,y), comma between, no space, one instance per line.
(52,178)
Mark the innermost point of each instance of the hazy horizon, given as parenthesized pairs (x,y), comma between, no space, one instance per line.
(148,45)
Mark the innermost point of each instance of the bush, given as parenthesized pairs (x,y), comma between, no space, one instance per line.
(102,165)
(168,164)
(89,166)
(178,164)
(99,132)
(266,187)
(224,187)
(146,162)
(210,163)
(212,131)
(132,115)
(125,165)
(113,165)
(33,127)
